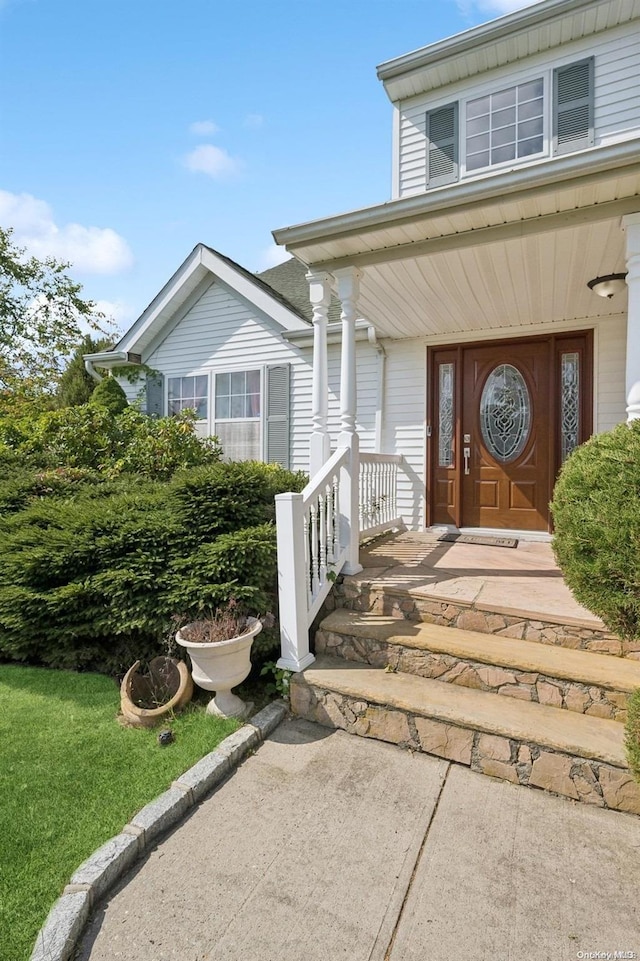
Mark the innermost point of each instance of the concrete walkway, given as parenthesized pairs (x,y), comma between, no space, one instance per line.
(327,846)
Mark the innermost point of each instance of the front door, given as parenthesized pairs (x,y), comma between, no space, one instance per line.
(503,417)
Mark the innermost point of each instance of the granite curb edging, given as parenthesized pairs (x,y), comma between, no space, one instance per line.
(59,935)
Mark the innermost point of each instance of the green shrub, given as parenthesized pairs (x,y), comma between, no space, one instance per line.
(82,581)
(22,485)
(93,437)
(109,394)
(226,497)
(596,512)
(241,564)
(632,734)
(93,568)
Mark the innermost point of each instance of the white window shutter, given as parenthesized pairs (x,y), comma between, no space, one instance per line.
(277,414)
(573,107)
(442,145)
(154,401)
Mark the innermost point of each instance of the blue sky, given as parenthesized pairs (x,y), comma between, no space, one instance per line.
(130,130)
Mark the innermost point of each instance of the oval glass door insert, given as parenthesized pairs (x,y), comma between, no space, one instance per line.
(505,413)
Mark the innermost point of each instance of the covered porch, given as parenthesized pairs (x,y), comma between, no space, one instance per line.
(496,274)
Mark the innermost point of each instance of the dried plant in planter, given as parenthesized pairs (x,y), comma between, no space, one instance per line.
(219,647)
(218,625)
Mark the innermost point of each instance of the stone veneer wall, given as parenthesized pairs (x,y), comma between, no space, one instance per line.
(526,686)
(361,597)
(521,762)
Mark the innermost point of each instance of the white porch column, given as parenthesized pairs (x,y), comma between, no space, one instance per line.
(320,297)
(631,226)
(348,280)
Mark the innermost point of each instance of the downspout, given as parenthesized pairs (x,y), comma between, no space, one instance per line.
(372,337)
(92,372)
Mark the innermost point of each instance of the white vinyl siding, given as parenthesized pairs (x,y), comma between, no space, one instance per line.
(610,349)
(224,333)
(404,423)
(616,103)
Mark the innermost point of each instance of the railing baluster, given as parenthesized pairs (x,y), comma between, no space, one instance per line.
(322,531)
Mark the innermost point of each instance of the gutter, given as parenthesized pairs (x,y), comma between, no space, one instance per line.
(109,359)
(591,165)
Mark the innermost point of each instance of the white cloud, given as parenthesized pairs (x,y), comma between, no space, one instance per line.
(213,161)
(254,121)
(116,312)
(496,7)
(203,128)
(93,250)
(271,256)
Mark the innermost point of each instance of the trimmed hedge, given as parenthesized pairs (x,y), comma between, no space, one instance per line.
(92,570)
(596,512)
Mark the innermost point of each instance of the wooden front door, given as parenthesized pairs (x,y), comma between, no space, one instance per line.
(503,416)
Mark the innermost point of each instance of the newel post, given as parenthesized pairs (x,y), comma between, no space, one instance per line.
(319,443)
(292,583)
(348,280)
(631,226)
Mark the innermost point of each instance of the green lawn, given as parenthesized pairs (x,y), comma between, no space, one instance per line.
(70,778)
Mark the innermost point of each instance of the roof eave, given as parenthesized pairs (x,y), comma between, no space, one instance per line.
(468,40)
(596,161)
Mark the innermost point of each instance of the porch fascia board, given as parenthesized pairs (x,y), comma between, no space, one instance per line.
(334,333)
(487,235)
(576,170)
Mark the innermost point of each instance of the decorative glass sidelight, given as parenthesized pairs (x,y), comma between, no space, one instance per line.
(569,403)
(505,413)
(445,415)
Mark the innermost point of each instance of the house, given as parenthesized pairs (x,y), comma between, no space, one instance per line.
(236,347)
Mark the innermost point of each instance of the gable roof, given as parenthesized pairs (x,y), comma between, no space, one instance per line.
(186,286)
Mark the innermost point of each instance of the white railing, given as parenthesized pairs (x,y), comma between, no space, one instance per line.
(317,534)
(378,492)
(311,552)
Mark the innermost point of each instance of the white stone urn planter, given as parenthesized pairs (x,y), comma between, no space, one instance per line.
(220,665)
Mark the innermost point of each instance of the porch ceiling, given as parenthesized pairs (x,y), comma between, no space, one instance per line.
(506,284)
(438,265)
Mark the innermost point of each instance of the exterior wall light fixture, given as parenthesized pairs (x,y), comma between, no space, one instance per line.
(608,285)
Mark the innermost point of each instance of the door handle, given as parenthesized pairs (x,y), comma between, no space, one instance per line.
(466,453)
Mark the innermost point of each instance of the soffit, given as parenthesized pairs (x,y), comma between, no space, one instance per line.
(501,42)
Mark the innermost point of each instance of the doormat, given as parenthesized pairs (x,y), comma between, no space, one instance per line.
(488,541)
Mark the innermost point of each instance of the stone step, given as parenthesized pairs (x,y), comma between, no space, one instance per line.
(379,593)
(570,754)
(571,679)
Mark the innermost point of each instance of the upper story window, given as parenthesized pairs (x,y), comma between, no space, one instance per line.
(505,125)
(189,392)
(550,113)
